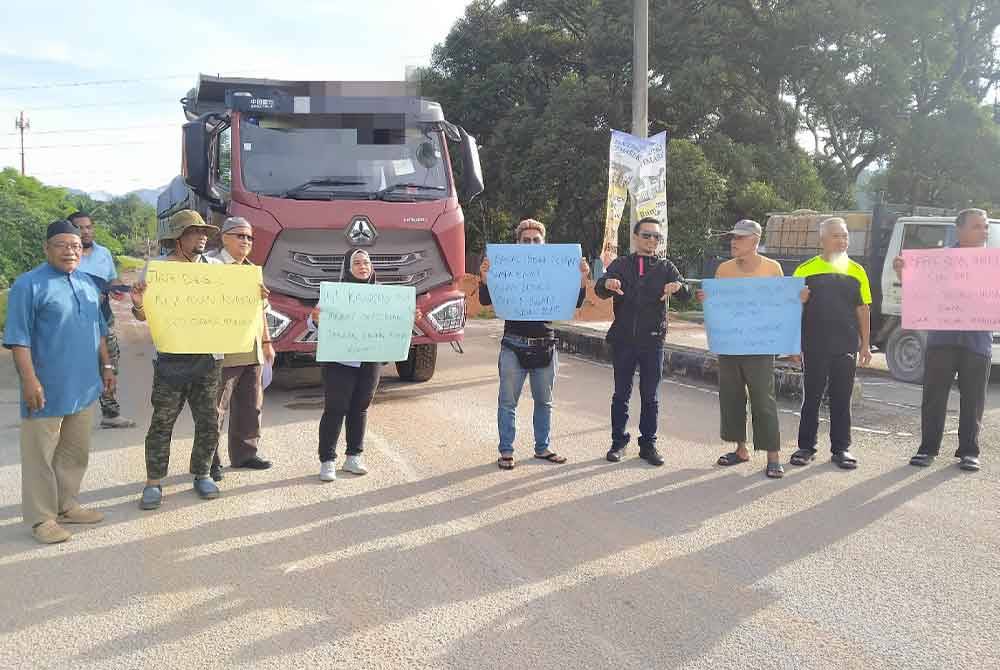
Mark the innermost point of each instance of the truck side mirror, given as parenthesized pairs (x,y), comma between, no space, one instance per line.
(472,171)
(196,140)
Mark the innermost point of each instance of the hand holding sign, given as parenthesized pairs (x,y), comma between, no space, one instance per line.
(670,289)
(484,269)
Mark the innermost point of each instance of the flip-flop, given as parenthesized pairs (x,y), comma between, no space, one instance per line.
(505,462)
(551,457)
(802,457)
(775,470)
(732,458)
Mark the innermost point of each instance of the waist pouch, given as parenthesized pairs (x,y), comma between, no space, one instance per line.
(533,356)
(181,369)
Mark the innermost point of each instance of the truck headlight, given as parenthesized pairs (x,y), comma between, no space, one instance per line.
(277,323)
(448,317)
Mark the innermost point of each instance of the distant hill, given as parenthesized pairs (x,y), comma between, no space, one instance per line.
(147,195)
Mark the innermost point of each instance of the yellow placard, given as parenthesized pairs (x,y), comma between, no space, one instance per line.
(202,308)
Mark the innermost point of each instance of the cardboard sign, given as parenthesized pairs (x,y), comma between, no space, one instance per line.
(202,308)
(534,282)
(365,323)
(754,316)
(952,289)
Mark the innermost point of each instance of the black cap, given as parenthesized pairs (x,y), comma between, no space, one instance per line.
(59,227)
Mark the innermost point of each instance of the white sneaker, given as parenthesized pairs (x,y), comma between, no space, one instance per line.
(355,464)
(327,471)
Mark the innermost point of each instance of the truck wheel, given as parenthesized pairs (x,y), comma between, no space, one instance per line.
(904,352)
(419,367)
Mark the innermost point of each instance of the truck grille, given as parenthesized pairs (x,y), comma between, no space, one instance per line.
(301,260)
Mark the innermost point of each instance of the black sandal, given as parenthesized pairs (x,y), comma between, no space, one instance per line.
(775,470)
(505,462)
(551,457)
(969,464)
(844,460)
(922,460)
(802,457)
(732,458)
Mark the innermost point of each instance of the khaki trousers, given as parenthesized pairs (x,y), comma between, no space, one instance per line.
(54,454)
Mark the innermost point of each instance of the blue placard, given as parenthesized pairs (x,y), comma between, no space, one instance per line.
(754,316)
(534,282)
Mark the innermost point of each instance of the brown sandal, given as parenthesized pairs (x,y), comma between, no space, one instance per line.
(505,462)
(551,457)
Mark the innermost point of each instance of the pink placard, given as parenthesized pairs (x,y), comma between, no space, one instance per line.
(951,289)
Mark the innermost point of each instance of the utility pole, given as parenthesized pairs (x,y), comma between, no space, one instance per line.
(22,124)
(640,86)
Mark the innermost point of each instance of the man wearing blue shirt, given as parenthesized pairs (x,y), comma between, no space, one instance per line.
(97,261)
(56,333)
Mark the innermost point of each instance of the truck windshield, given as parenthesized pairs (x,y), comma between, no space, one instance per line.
(327,156)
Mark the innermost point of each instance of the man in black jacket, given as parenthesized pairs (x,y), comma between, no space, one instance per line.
(640,283)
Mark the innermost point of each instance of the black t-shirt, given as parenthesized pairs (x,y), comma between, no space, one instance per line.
(830,318)
(533,329)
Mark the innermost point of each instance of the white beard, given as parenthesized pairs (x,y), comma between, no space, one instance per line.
(838,258)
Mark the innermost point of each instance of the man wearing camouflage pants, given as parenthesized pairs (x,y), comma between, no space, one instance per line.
(180,378)
(96,260)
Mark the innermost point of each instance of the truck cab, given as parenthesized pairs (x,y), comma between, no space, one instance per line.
(318,168)
(904,349)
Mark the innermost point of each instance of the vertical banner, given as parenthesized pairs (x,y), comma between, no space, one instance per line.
(636,167)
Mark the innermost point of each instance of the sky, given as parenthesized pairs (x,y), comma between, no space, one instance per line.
(122,136)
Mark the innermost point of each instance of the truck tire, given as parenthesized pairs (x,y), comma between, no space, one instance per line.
(904,352)
(419,367)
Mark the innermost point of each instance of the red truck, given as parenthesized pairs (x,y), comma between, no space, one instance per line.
(321,167)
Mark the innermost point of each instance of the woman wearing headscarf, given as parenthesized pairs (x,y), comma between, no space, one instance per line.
(348,388)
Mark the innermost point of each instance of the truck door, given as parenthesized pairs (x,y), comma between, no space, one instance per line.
(910,235)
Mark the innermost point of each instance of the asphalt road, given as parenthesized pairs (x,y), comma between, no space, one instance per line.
(439,560)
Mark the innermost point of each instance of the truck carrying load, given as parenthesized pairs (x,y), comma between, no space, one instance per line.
(320,167)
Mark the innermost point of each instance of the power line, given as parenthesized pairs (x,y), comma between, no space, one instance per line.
(122,103)
(97,82)
(97,130)
(76,146)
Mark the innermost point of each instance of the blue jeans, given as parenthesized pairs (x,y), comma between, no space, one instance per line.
(512,377)
(650,363)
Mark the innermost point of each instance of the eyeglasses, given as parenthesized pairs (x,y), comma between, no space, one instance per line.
(242,236)
(62,246)
(532,240)
(651,236)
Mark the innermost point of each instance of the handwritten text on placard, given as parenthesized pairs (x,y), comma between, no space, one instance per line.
(534,282)
(202,308)
(365,322)
(952,289)
(754,316)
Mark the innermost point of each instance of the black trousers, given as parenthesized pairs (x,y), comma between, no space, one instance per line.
(347,393)
(824,371)
(941,364)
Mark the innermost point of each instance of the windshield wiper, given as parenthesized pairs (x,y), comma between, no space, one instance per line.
(392,191)
(320,181)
